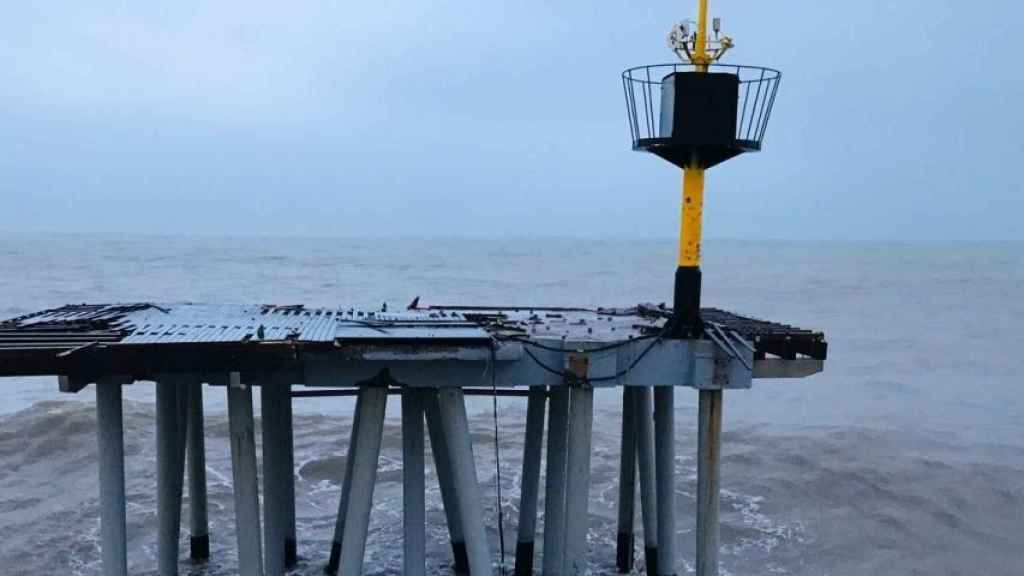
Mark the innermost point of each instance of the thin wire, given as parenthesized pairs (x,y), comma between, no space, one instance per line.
(563,374)
(497,457)
(613,346)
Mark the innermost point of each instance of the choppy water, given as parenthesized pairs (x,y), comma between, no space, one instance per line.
(905,457)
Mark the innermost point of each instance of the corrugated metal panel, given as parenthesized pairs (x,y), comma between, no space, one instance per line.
(221,323)
(134,324)
(66,328)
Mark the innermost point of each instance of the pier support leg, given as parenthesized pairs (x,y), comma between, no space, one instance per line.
(170,470)
(627,484)
(291,551)
(110,433)
(645,463)
(529,484)
(709,448)
(199,533)
(244,477)
(442,464)
(373,401)
(577,518)
(664,466)
(553,558)
(467,490)
(413,490)
(346,487)
(275,472)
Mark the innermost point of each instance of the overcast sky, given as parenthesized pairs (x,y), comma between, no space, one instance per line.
(899,119)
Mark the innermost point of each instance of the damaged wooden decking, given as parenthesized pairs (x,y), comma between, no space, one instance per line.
(432,356)
(81,342)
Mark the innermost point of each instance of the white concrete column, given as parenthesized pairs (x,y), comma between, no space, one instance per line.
(645,464)
(709,457)
(467,490)
(169,469)
(577,516)
(199,533)
(664,452)
(413,488)
(291,552)
(442,464)
(244,476)
(553,558)
(627,484)
(364,477)
(275,477)
(346,486)
(110,434)
(533,447)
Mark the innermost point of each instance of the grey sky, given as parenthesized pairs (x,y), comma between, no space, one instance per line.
(895,120)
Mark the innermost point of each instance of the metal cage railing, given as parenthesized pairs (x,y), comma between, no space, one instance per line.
(757,89)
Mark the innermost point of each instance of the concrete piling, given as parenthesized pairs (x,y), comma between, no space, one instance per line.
(181,424)
(291,552)
(576,516)
(373,401)
(442,464)
(709,448)
(455,424)
(645,463)
(169,480)
(110,435)
(199,525)
(244,476)
(346,485)
(413,484)
(664,466)
(530,482)
(647,447)
(647,450)
(627,485)
(275,473)
(554,483)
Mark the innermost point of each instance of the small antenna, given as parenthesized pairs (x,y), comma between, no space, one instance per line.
(693,47)
(679,40)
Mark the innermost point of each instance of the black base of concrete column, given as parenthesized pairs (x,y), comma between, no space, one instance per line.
(686,322)
(461,557)
(200,548)
(291,553)
(624,552)
(524,559)
(332,564)
(651,558)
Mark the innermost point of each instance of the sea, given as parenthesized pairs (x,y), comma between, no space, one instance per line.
(905,456)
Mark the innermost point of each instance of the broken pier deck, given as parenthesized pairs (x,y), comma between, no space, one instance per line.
(432,357)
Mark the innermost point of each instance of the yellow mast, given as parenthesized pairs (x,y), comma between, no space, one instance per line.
(701,49)
(692,214)
(693,176)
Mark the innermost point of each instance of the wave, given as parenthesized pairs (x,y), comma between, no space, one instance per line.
(809,501)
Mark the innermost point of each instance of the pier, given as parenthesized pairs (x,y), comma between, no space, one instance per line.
(430,358)
(695,114)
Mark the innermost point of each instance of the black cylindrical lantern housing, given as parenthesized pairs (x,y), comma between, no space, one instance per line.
(699,108)
(698,118)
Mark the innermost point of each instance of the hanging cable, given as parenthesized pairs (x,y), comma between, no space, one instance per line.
(605,348)
(565,375)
